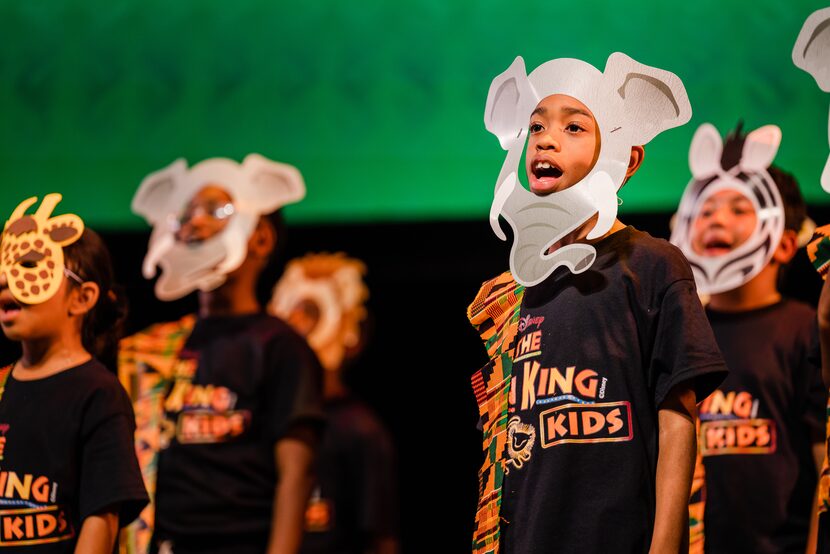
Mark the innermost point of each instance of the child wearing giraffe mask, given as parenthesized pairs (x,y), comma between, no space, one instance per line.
(66,424)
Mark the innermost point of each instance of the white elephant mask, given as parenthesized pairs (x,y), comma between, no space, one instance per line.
(812,54)
(631,103)
(257,187)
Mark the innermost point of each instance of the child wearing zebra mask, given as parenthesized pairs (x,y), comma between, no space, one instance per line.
(761,433)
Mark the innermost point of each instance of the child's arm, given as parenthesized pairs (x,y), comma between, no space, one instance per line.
(675,463)
(819,449)
(294,457)
(98,533)
(812,537)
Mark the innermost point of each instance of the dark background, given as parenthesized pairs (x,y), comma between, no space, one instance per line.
(415,371)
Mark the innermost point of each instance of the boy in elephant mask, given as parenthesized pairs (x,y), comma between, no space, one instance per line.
(599,348)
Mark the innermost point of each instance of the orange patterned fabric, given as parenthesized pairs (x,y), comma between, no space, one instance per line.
(824,476)
(146,368)
(495,315)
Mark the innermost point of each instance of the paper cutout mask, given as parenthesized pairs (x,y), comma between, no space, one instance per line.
(256,187)
(322,296)
(32,249)
(812,54)
(631,103)
(716,274)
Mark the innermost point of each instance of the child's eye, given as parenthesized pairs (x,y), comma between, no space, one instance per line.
(535,127)
(574,128)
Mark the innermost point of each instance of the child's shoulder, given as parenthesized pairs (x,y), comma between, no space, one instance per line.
(796,313)
(495,297)
(155,347)
(158,335)
(658,258)
(93,375)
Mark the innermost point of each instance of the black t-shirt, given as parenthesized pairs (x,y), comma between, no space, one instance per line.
(595,356)
(241,383)
(66,453)
(355,500)
(757,431)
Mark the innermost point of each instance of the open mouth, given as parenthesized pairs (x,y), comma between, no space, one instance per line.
(717,246)
(545,176)
(545,169)
(8,309)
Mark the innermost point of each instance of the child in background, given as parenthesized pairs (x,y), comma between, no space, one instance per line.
(70,473)
(236,392)
(354,505)
(762,432)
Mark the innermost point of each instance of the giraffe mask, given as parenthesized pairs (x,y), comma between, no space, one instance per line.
(32,249)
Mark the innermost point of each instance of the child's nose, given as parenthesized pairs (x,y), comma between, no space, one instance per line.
(721,216)
(547,141)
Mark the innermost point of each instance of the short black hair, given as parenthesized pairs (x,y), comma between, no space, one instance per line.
(103,325)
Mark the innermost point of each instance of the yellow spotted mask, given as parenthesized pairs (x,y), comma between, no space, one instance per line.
(31,249)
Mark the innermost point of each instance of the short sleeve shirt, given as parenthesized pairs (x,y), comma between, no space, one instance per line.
(595,355)
(66,452)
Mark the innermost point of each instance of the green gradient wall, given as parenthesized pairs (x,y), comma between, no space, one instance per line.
(378,103)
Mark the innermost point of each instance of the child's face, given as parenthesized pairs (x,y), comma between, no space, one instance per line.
(26,322)
(726,220)
(563,144)
(205,216)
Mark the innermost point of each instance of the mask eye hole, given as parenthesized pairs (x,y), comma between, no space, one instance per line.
(30,259)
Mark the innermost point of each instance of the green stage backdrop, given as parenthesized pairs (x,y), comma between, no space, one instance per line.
(378,103)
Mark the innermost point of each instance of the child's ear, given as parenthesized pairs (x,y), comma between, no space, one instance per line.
(787,247)
(705,152)
(84,298)
(655,100)
(272,184)
(156,190)
(638,154)
(509,102)
(263,240)
(812,46)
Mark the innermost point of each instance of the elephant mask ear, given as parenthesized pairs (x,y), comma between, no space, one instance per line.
(157,190)
(655,100)
(812,54)
(812,48)
(509,102)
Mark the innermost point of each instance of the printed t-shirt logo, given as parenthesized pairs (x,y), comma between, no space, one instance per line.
(201,414)
(319,513)
(4,428)
(577,413)
(520,440)
(729,425)
(29,514)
